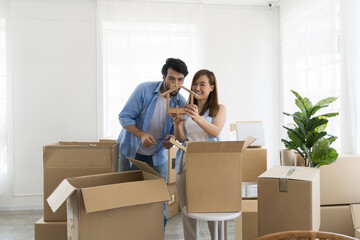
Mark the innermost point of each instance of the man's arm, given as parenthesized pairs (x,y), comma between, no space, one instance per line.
(146,139)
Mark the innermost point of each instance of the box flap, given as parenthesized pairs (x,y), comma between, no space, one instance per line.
(214,147)
(60,194)
(143,166)
(355,212)
(300,173)
(177,144)
(124,194)
(248,140)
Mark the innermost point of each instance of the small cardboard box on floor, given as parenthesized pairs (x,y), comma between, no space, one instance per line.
(213,175)
(124,205)
(246,226)
(50,230)
(172,206)
(289,199)
(340,181)
(72,159)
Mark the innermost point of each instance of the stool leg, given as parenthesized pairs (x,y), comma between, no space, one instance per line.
(197,230)
(216,233)
(222,232)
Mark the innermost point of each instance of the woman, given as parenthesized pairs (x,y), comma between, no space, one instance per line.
(203,121)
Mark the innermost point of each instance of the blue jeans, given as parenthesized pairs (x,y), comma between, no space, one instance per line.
(124,165)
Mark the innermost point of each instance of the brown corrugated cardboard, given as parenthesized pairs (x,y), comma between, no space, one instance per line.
(171,175)
(246,226)
(172,206)
(355,213)
(289,199)
(337,219)
(254,163)
(339,181)
(50,230)
(213,175)
(113,205)
(72,159)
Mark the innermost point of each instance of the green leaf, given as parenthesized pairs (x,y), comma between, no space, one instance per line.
(327,159)
(331,139)
(288,145)
(313,137)
(315,109)
(301,125)
(325,101)
(314,123)
(329,115)
(296,136)
(320,149)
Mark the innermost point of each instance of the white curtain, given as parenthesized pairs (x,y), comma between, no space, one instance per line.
(310,55)
(350,24)
(5,164)
(135,39)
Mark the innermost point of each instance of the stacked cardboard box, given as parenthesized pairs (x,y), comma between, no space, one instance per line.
(288,199)
(126,205)
(173,206)
(254,163)
(71,159)
(340,196)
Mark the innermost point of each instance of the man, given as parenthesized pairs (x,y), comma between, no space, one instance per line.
(145,123)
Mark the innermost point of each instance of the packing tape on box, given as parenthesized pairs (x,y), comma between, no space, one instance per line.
(284,179)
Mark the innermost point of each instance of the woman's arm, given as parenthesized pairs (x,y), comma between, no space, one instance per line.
(213,129)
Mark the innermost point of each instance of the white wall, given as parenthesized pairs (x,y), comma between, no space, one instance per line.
(54,86)
(246,67)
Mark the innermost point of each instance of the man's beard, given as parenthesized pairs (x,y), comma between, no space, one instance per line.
(174,93)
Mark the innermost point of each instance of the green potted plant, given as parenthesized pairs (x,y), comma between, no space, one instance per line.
(309,138)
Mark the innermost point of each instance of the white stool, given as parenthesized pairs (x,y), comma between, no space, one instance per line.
(216,217)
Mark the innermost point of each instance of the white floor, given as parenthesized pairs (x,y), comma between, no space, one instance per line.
(19,225)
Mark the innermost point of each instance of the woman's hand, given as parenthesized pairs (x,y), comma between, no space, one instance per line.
(177,117)
(193,112)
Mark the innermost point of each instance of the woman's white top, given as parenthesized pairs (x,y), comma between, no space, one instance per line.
(194,132)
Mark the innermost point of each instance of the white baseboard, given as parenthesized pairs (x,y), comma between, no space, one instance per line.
(21,208)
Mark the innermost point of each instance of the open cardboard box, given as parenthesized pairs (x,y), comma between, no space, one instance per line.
(109,206)
(289,199)
(73,159)
(213,175)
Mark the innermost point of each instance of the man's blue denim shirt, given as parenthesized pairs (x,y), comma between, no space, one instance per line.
(138,111)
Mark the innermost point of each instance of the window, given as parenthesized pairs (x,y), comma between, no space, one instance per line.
(310,44)
(134,52)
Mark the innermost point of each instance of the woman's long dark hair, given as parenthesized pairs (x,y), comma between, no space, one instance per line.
(212,103)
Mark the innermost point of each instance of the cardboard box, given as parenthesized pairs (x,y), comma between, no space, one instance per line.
(171,175)
(340,181)
(126,205)
(337,219)
(355,213)
(289,199)
(172,206)
(72,159)
(213,175)
(50,230)
(254,163)
(246,226)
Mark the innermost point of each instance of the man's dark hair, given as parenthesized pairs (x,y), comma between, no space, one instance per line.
(176,64)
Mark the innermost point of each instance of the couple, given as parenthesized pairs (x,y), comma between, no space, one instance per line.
(146,127)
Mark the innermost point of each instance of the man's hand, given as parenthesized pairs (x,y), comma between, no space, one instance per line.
(166,143)
(147,140)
